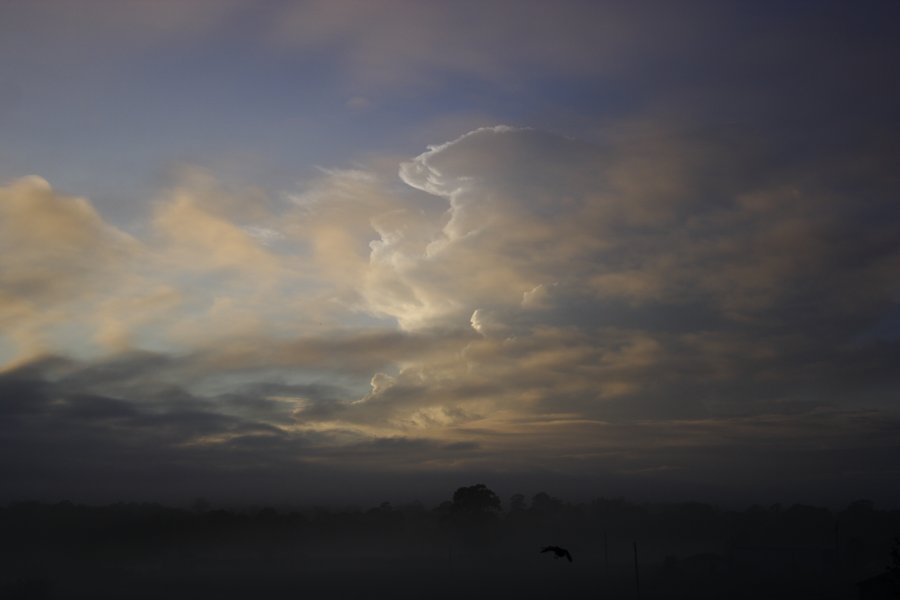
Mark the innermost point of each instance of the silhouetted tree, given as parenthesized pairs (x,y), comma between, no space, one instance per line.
(474,513)
(476,501)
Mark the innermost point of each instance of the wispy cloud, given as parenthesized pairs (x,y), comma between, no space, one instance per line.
(526,298)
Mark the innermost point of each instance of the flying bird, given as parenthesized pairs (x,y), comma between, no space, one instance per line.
(559,552)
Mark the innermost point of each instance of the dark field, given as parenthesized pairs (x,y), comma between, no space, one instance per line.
(684,551)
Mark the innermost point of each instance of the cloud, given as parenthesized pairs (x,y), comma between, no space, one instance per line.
(358,104)
(129,21)
(73,282)
(59,428)
(526,205)
(706,276)
(201,221)
(681,300)
(42,229)
(519,299)
(401,43)
(56,253)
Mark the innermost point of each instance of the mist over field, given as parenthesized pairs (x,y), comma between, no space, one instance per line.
(470,545)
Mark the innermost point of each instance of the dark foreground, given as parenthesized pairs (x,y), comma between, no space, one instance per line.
(684,551)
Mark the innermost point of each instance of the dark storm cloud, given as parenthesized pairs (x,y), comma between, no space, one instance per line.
(59,440)
(55,434)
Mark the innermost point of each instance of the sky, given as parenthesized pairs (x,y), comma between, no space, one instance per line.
(356,250)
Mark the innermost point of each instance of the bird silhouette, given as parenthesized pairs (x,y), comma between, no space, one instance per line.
(559,552)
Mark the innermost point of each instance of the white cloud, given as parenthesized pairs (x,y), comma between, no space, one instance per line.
(56,254)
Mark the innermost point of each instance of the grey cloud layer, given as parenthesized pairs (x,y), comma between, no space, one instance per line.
(528,302)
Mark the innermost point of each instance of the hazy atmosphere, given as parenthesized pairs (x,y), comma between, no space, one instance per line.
(354,251)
